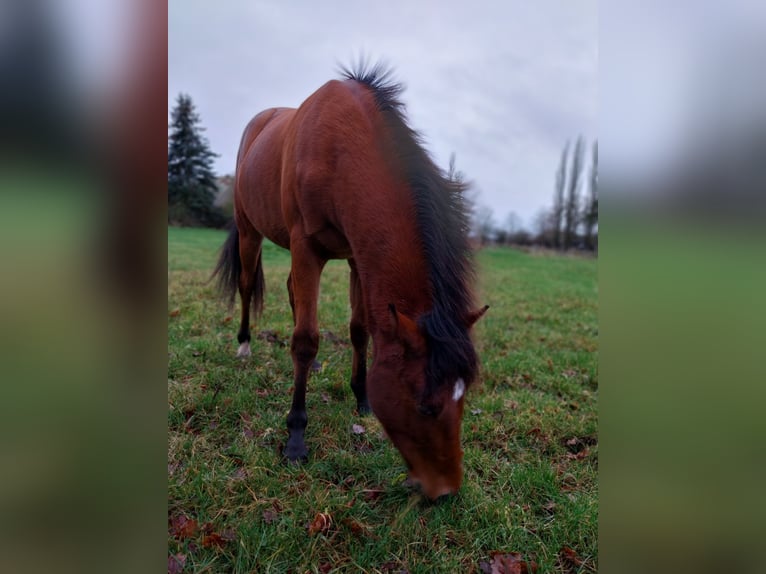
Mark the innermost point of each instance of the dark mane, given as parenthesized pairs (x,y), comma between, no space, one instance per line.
(443,222)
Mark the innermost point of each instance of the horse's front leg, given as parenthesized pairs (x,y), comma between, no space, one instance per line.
(306,270)
(359,339)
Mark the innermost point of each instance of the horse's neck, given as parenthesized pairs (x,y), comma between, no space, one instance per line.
(393,270)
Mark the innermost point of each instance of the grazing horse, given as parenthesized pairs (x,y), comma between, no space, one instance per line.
(344,177)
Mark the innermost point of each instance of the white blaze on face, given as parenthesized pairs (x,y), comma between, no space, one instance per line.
(459,390)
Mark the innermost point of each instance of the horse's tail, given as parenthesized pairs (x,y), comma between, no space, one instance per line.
(229,266)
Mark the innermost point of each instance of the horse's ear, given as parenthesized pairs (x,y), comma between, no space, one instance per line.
(474,316)
(406,330)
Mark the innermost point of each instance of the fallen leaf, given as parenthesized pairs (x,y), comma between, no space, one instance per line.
(176,563)
(248,432)
(355,527)
(269,516)
(358,429)
(393,567)
(227,319)
(183,527)
(371,494)
(228,534)
(272,337)
(580,455)
(213,539)
(173,467)
(570,563)
(476,411)
(509,563)
(175,312)
(321,523)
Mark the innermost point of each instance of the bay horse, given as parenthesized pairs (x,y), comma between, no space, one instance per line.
(343,176)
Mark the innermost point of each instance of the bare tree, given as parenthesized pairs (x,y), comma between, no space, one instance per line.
(512,223)
(556,214)
(590,215)
(484,224)
(469,192)
(571,208)
(545,227)
(454,174)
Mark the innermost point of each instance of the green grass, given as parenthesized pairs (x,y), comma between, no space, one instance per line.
(529,431)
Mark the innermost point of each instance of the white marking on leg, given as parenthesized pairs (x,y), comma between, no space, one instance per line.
(244,349)
(459,390)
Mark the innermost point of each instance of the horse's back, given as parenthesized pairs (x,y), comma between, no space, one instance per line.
(257,197)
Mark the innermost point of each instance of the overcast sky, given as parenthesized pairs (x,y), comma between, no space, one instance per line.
(501,84)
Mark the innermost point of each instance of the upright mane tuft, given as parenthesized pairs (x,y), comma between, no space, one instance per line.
(443,222)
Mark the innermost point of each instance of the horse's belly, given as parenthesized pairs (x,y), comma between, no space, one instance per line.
(332,242)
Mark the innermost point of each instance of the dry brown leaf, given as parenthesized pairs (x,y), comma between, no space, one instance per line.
(570,562)
(321,523)
(508,563)
(213,539)
(183,527)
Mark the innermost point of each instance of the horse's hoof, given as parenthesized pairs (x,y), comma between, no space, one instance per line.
(296,455)
(363,409)
(244,350)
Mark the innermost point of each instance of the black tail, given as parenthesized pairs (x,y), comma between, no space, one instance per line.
(229,268)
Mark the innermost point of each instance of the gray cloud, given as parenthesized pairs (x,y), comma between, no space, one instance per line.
(502,85)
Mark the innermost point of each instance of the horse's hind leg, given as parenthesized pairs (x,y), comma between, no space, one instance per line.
(250,286)
(359,340)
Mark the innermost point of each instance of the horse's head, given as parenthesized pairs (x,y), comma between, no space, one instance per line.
(422,416)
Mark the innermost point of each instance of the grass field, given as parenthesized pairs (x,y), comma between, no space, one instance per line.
(529,432)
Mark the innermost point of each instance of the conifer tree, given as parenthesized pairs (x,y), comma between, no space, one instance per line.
(192,183)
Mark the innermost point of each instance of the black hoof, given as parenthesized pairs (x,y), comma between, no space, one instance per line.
(363,409)
(296,454)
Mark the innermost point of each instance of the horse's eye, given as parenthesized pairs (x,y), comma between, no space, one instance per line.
(427,410)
